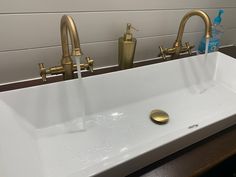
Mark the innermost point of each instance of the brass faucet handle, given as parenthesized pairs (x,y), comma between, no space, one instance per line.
(90,63)
(162,52)
(43,72)
(189,48)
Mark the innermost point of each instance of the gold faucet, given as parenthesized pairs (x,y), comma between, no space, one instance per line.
(178,46)
(67,67)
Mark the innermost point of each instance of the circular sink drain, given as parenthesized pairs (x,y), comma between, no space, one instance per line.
(159,116)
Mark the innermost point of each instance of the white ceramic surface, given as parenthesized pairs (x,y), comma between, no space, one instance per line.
(198,94)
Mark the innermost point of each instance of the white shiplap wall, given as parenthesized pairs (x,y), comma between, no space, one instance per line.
(30,33)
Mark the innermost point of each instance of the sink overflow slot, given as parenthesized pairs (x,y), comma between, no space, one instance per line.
(193,126)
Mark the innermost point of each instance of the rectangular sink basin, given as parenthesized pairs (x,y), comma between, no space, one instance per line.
(198,93)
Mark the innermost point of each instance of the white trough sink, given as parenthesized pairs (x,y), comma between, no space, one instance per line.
(198,94)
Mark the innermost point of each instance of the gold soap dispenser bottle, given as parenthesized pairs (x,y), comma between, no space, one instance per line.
(127,46)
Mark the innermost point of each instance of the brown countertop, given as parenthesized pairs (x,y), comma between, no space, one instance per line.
(231,51)
(189,162)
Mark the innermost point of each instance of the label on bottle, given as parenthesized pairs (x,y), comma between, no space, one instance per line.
(214,45)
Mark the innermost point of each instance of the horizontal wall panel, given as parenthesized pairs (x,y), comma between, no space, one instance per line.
(40,30)
(229,37)
(29,6)
(23,64)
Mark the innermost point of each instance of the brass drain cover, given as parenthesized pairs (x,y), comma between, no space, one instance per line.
(159,116)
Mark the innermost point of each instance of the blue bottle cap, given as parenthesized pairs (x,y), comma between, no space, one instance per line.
(218,19)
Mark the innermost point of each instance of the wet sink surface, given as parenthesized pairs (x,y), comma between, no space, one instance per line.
(198,94)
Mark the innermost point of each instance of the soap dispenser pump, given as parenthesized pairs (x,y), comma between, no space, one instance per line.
(127,46)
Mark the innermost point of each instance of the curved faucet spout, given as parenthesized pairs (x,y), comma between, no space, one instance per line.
(178,47)
(67,67)
(68,25)
(200,13)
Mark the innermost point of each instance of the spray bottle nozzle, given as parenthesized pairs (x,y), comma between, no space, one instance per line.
(221,11)
(218,19)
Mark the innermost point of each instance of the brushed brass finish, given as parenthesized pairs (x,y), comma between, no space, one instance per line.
(67,67)
(178,46)
(127,46)
(68,25)
(159,116)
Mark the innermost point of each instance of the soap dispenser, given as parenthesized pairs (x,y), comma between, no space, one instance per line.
(127,45)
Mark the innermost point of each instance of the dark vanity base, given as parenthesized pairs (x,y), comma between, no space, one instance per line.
(225,169)
(195,160)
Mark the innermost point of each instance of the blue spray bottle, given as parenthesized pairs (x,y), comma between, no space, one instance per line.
(217,31)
